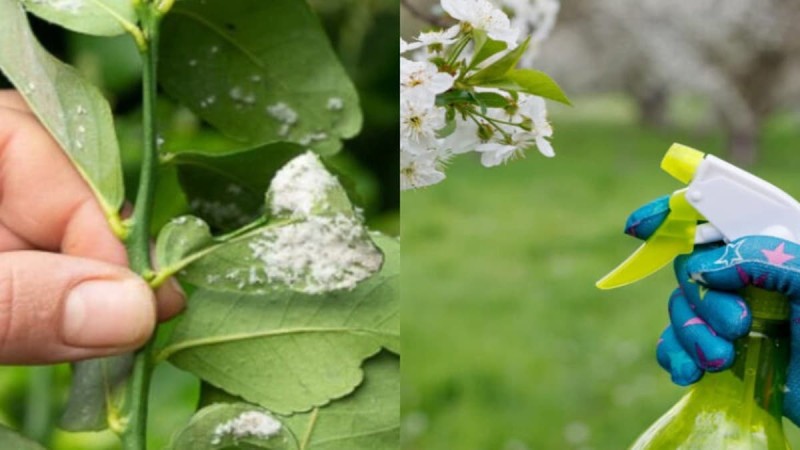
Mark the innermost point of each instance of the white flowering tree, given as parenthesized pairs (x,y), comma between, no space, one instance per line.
(462,88)
(741,55)
(292,326)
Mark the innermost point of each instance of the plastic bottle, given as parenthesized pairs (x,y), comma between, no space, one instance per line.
(739,408)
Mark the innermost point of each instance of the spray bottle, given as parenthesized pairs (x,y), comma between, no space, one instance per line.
(740,408)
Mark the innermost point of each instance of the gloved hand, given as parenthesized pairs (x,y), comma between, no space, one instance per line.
(705,312)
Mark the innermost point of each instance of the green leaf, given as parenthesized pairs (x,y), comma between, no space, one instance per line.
(368,419)
(532,82)
(95,386)
(10,439)
(180,238)
(501,67)
(259,71)
(454,96)
(234,425)
(315,243)
(491,100)
(74,111)
(484,48)
(289,351)
(98,17)
(227,190)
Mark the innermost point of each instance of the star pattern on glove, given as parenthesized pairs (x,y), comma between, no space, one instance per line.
(731,255)
(778,256)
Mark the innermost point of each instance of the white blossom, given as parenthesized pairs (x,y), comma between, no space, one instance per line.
(418,171)
(418,125)
(438,38)
(495,153)
(406,47)
(483,15)
(421,80)
(534,108)
(434,128)
(464,139)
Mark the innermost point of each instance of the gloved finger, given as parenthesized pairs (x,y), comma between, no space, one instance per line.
(674,359)
(726,312)
(762,261)
(710,351)
(791,399)
(643,222)
(57,308)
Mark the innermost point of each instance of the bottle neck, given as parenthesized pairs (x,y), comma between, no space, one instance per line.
(762,356)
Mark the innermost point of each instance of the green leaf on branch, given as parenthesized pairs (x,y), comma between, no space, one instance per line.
(259,71)
(501,67)
(290,351)
(234,425)
(453,97)
(491,100)
(227,190)
(181,238)
(484,48)
(95,387)
(532,82)
(97,17)
(10,439)
(74,111)
(368,419)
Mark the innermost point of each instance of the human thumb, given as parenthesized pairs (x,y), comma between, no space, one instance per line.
(56,308)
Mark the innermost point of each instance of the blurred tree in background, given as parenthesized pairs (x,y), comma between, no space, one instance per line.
(741,57)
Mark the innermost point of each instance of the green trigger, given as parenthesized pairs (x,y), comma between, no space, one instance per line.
(674,237)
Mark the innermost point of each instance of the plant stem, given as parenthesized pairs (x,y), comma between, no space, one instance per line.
(39,404)
(139,240)
(134,431)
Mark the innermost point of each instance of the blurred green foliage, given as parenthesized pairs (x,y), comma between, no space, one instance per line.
(509,346)
(364,33)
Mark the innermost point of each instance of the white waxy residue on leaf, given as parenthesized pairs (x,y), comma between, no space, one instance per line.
(319,254)
(323,250)
(300,186)
(250,424)
(282,113)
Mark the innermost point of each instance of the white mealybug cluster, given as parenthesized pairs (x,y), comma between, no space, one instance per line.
(250,424)
(299,186)
(323,251)
(284,114)
(335,104)
(320,254)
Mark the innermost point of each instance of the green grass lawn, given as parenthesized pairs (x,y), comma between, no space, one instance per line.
(507,343)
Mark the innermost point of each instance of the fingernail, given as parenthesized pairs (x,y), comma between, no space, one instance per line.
(104,313)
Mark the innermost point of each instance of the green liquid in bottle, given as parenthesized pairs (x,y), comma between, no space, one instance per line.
(740,408)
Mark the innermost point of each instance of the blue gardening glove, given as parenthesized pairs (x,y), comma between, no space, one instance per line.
(707,315)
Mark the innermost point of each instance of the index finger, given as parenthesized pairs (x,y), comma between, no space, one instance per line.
(643,222)
(43,199)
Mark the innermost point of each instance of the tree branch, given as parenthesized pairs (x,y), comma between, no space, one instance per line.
(417,12)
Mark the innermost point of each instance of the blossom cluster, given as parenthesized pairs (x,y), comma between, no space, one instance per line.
(461,89)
